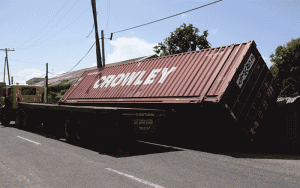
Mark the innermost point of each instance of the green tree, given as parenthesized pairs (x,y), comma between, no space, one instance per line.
(56,92)
(183,39)
(286,68)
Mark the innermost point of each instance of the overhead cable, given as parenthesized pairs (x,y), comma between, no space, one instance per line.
(107,12)
(76,63)
(91,31)
(82,58)
(53,26)
(58,32)
(45,25)
(168,17)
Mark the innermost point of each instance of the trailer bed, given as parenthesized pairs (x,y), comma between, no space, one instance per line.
(88,109)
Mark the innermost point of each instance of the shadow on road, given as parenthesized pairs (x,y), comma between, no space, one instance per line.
(262,155)
(104,147)
(136,148)
(238,151)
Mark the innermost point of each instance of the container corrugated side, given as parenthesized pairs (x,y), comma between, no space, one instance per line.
(184,78)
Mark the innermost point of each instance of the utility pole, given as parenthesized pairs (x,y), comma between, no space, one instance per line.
(102,38)
(103,55)
(46,85)
(6,64)
(99,65)
(4,70)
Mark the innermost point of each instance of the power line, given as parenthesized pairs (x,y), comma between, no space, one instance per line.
(63,16)
(82,57)
(91,31)
(32,45)
(107,12)
(54,74)
(144,25)
(79,60)
(75,64)
(168,17)
(45,25)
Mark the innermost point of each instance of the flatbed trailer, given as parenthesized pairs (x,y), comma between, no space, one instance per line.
(80,123)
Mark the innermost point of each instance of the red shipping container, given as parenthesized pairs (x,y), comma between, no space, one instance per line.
(234,76)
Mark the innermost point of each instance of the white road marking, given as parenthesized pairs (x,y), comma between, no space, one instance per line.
(135,178)
(163,145)
(29,140)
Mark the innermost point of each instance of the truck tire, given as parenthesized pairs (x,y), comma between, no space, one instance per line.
(74,130)
(25,120)
(19,119)
(4,120)
(79,130)
(70,131)
(30,121)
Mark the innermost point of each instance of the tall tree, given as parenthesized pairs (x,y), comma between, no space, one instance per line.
(286,68)
(183,39)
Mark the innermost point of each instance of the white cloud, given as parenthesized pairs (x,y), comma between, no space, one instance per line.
(183,16)
(267,60)
(26,74)
(129,48)
(56,74)
(215,31)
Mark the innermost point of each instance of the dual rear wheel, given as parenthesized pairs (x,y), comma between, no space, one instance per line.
(75,129)
(95,132)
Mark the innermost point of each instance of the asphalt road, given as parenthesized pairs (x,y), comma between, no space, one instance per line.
(32,160)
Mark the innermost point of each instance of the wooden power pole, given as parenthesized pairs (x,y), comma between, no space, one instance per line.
(102,39)
(99,65)
(103,55)
(6,64)
(46,85)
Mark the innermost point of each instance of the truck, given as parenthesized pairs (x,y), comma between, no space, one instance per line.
(216,96)
(25,105)
(12,95)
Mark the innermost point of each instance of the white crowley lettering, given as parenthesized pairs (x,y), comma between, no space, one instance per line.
(130,79)
(108,80)
(135,78)
(151,76)
(116,81)
(138,80)
(165,73)
(96,85)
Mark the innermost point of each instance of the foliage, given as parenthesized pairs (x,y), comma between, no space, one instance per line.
(183,39)
(286,68)
(56,92)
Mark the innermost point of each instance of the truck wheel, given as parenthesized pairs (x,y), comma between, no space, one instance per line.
(74,130)
(29,121)
(19,119)
(25,121)
(4,120)
(80,132)
(70,131)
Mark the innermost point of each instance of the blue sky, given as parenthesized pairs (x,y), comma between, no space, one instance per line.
(56,31)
